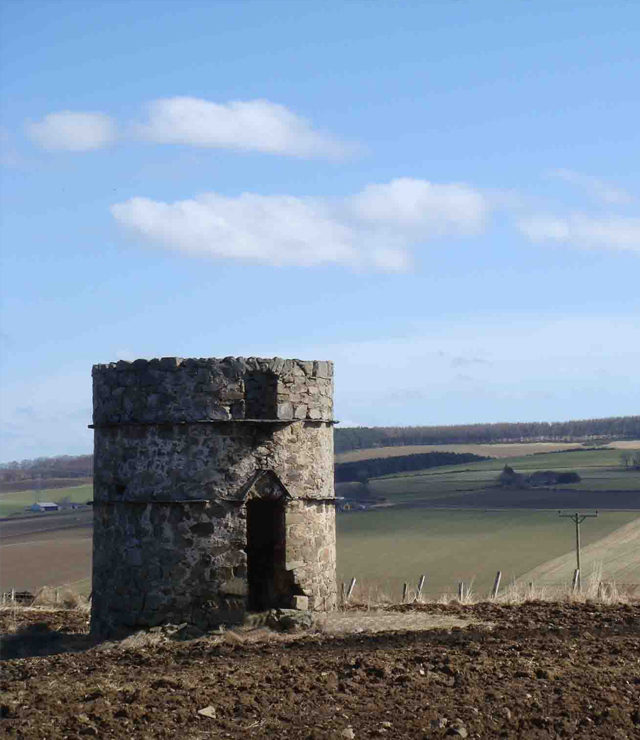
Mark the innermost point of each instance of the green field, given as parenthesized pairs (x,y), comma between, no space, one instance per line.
(496,449)
(391,545)
(16,502)
(600,470)
(384,548)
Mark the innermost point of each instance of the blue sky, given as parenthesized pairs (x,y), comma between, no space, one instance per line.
(442,197)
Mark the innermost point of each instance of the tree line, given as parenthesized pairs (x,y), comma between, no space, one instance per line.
(362,470)
(355,438)
(62,466)
(617,427)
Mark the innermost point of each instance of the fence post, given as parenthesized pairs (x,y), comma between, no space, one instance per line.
(351,587)
(13,596)
(420,585)
(496,585)
(461,591)
(576,579)
(405,590)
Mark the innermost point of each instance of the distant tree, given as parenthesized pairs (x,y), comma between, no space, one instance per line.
(510,479)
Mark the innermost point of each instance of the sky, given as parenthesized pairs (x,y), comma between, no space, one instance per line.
(442,197)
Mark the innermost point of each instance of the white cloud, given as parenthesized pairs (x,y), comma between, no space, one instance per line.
(287,230)
(425,206)
(274,229)
(257,125)
(611,232)
(71,131)
(596,188)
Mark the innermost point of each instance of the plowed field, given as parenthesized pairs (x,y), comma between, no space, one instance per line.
(541,671)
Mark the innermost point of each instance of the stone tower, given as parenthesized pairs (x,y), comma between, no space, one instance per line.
(213,490)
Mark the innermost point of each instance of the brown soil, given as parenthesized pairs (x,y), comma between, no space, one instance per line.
(543,670)
(51,549)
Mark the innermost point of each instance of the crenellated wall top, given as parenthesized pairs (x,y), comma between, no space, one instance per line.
(177,390)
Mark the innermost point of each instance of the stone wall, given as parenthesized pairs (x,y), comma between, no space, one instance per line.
(177,460)
(207,389)
(311,551)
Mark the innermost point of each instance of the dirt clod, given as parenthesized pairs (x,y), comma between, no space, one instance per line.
(526,671)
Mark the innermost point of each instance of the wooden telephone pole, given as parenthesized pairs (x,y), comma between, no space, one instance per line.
(577,519)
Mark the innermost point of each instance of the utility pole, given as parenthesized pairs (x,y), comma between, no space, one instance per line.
(577,519)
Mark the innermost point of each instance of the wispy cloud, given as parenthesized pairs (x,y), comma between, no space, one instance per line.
(466,361)
(258,125)
(598,189)
(534,371)
(579,229)
(376,228)
(73,131)
(37,413)
(249,125)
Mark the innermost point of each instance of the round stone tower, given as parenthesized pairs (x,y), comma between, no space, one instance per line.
(213,490)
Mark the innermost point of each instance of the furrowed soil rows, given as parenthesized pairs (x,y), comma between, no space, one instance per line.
(542,671)
(47,549)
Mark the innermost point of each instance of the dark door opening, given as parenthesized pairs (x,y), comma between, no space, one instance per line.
(266,574)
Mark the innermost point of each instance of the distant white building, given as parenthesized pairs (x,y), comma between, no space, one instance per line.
(44,506)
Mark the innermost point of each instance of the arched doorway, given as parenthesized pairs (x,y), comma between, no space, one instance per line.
(267,579)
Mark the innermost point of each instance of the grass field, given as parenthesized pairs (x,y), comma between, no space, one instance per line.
(385,548)
(16,501)
(600,470)
(388,546)
(499,450)
(620,551)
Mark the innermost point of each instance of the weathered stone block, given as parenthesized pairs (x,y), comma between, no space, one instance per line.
(285,410)
(300,602)
(293,564)
(234,587)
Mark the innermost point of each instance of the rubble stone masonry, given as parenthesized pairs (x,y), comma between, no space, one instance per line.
(182,448)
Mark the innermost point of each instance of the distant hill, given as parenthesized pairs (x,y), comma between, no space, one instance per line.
(585,430)
(46,472)
(44,469)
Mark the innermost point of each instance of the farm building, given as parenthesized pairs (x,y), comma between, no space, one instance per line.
(213,490)
(44,506)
